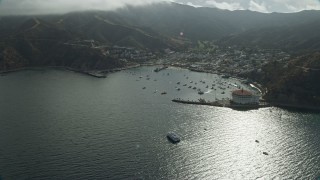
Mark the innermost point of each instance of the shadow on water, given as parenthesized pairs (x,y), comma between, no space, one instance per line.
(244,109)
(305,110)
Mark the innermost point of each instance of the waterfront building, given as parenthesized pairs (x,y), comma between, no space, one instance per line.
(244,97)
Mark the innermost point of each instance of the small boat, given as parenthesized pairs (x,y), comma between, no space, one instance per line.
(144,88)
(173,137)
(257,141)
(200,92)
(163,93)
(265,153)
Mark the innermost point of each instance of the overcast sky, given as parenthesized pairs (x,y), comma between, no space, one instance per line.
(62,6)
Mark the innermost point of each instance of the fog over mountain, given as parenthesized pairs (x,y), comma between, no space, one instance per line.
(27,7)
(265,6)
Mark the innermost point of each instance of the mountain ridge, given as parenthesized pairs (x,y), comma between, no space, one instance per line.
(152,28)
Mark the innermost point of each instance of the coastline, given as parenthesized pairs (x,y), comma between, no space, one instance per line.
(263,91)
(93,73)
(102,74)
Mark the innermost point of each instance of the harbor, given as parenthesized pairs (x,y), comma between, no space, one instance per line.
(189,87)
(95,128)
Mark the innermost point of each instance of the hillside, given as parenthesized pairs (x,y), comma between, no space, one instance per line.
(294,83)
(50,39)
(295,39)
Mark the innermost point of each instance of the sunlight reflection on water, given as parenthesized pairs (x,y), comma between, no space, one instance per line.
(71,126)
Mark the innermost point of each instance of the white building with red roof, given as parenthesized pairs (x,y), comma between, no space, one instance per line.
(244,97)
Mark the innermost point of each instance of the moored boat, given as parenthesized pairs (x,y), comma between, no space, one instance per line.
(163,93)
(173,137)
(200,92)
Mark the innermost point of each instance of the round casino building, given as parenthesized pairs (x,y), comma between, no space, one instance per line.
(244,97)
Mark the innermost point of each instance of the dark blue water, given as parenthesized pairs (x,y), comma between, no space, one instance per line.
(63,125)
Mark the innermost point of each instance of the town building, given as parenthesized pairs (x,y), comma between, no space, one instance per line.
(244,97)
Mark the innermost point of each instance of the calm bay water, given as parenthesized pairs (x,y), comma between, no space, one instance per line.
(63,125)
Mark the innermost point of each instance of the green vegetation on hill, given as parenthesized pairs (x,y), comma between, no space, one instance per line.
(294,83)
(296,39)
(45,40)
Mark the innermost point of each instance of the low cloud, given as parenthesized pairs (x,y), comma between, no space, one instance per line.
(9,7)
(303,5)
(254,6)
(16,7)
(194,5)
(264,6)
(225,5)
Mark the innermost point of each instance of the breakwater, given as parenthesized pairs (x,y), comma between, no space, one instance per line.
(223,103)
(93,73)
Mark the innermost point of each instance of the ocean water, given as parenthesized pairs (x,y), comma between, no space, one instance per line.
(63,125)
